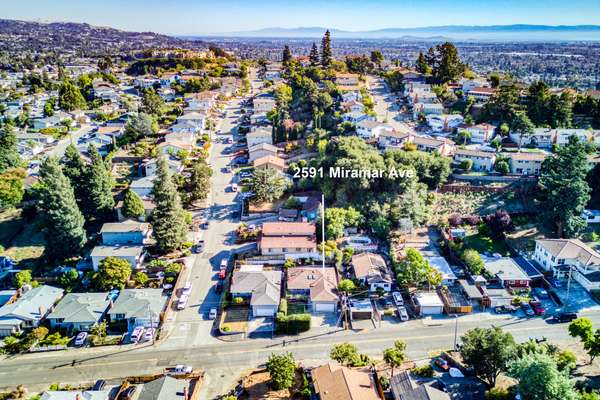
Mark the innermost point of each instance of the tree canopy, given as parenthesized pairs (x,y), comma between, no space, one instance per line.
(282,368)
(112,273)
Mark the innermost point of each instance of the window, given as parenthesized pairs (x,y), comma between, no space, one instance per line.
(561,260)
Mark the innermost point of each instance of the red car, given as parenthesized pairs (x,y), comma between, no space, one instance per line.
(222,273)
(537,306)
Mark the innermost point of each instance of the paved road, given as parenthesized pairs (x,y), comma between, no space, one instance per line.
(59,149)
(384,102)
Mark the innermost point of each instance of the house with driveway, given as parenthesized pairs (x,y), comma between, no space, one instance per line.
(138,307)
(288,240)
(317,284)
(128,232)
(507,272)
(336,382)
(371,270)
(28,310)
(78,312)
(133,254)
(261,287)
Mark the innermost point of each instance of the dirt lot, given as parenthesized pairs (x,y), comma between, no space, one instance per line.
(23,241)
(257,387)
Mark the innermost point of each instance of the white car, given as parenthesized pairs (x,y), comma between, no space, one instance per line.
(81,338)
(234,187)
(187,289)
(182,369)
(212,314)
(398,300)
(182,302)
(137,333)
(149,334)
(402,314)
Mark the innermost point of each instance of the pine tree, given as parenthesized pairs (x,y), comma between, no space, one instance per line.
(133,206)
(326,56)
(421,65)
(74,168)
(168,218)
(63,222)
(9,156)
(98,187)
(70,97)
(287,54)
(314,55)
(199,182)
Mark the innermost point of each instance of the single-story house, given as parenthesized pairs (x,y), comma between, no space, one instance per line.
(442,266)
(151,166)
(258,136)
(318,283)
(263,103)
(526,163)
(261,150)
(132,254)
(143,187)
(507,271)
(28,310)
(336,382)
(263,288)
(371,269)
(270,162)
(165,388)
(149,206)
(429,303)
(128,232)
(79,311)
(139,307)
(404,388)
(482,160)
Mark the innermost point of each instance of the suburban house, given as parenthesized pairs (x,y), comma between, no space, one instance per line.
(442,146)
(263,288)
(541,137)
(318,283)
(371,269)
(196,118)
(442,266)
(132,254)
(347,79)
(482,160)
(184,126)
(481,94)
(270,162)
(427,109)
(403,387)
(480,133)
(336,382)
(259,136)
(563,255)
(507,272)
(591,216)
(351,95)
(355,117)
(368,129)
(138,307)
(352,106)
(128,232)
(288,239)
(113,130)
(173,148)
(394,139)
(181,137)
(263,103)
(526,163)
(261,150)
(165,388)
(143,187)
(28,310)
(151,166)
(78,312)
(470,84)
(149,206)
(429,303)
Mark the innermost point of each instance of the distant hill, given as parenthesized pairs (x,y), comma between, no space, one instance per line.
(85,38)
(455,32)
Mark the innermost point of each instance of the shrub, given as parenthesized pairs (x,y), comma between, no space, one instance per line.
(283,307)
(425,371)
(238,300)
(497,393)
(455,220)
(293,324)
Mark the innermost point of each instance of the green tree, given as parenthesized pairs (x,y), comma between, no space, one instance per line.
(62,220)
(152,103)
(326,55)
(99,330)
(421,64)
(133,206)
(337,219)
(445,62)
(268,185)
(564,191)
(140,278)
(287,55)
(394,356)
(582,328)
(11,187)
(68,278)
(9,155)
(413,269)
(502,166)
(75,168)
(139,126)
(377,57)
(168,218)
(314,55)
(112,273)
(473,261)
(540,379)
(489,351)
(463,136)
(198,184)
(522,126)
(98,187)
(282,368)
(22,278)
(346,286)
(70,98)
(344,353)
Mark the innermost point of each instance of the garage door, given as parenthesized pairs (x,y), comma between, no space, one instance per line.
(263,311)
(325,308)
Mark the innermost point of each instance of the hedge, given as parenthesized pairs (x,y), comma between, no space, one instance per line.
(292,324)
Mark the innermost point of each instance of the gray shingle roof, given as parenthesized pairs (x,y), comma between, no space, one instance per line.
(29,305)
(81,307)
(165,388)
(136,303)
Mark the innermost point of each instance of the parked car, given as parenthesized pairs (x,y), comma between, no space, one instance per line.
(245,174)
(205,225)
(182,369)
(149,334)
(537,307)
(99,385)
(505,309)
(187,289)
(81,338)
(563,317)
(527,309)
(182,302)
(128,393)
(234,187)
(219,287)
(230,140)
(441,363)
(212,314)
(199,247)
(402,314)
(222,273)
(540,293)
(137,333)
(398,300)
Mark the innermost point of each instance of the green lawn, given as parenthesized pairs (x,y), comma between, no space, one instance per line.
(485,244)
(297,308)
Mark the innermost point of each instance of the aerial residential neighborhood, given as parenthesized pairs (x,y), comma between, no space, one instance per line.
(298,213)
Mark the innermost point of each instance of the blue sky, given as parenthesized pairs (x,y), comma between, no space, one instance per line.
(188,17)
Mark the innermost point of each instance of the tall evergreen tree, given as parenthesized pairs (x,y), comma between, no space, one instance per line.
(326,55)
(314,55)
(564,189)
(63,222)
(199,182)
(421,65)
(133,207)
(287,54)
(98,187)
(74,168)
(9,156)
(70,97)
(168,218)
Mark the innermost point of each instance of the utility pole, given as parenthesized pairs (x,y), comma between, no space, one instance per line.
(455,330)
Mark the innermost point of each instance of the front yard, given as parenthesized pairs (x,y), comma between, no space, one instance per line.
(235,319)
(485,244)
